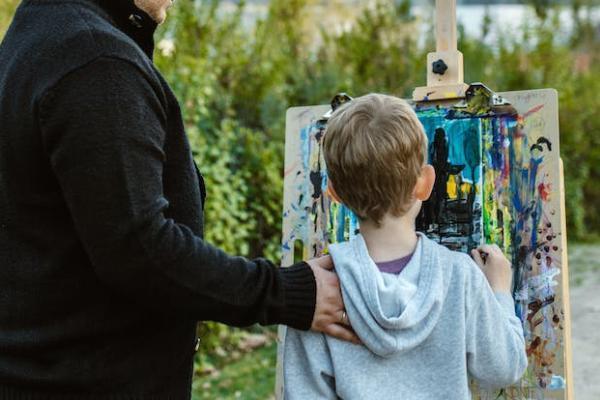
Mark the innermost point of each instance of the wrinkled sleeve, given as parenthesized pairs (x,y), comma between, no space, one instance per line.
(103,128)
(496,354)
(307,367)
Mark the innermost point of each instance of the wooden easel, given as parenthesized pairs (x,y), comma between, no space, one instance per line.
(566,296)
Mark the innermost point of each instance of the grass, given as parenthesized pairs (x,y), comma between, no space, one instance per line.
(252,376)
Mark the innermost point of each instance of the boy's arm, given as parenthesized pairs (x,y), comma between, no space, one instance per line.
(496,354)
(307,367)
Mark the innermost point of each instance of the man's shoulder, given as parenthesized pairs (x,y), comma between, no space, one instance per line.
(51,39)
(93,35)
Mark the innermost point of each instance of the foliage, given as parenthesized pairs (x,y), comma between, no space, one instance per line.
(7,9)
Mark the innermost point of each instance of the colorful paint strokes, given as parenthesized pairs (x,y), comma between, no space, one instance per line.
(522,215)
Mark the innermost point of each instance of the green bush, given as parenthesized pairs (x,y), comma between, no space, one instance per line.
(7,9)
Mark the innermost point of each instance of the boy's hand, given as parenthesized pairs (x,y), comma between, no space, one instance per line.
(330,317)
(495,267)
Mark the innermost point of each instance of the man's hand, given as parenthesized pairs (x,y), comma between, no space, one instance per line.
(330,315)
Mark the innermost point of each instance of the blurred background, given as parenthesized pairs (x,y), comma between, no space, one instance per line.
(236,66)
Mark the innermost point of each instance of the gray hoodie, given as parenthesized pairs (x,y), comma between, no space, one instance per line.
(425,331)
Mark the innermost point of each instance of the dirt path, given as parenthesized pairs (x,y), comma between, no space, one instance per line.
(585,311)
(585,317)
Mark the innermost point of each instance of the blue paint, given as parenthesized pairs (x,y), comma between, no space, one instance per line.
(463,139)
(341,224)
(557,383)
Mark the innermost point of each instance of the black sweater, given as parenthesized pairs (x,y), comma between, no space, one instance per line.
(103,269)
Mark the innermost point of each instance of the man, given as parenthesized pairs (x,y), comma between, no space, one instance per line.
(103,269)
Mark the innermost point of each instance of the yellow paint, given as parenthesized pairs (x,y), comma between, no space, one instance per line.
(450,95)
(465,189)
(456,189)
(451,188)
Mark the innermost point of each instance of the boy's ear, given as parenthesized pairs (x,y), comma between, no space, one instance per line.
(331,192)
(425,183)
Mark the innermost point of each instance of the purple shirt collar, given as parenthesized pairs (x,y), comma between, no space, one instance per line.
(394,266)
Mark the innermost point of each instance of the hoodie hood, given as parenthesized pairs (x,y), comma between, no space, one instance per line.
(390,313)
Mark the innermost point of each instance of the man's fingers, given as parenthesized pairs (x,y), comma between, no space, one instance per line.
(330,278)
(330,317)
(325,262)
(341,332)
(343,318)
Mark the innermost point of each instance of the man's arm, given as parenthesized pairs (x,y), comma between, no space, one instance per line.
(103,128)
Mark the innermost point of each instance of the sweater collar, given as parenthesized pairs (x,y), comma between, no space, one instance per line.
(132,21)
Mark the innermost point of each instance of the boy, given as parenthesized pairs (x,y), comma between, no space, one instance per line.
(427,316)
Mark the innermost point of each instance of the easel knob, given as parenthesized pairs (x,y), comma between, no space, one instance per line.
(444,83)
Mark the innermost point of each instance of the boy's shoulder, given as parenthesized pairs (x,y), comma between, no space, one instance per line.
(460,265)
(455,265)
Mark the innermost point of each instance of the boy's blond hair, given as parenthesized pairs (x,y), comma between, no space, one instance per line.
(375,148)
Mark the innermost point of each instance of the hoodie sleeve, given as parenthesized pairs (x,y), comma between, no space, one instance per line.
(307,367)
(496,354)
